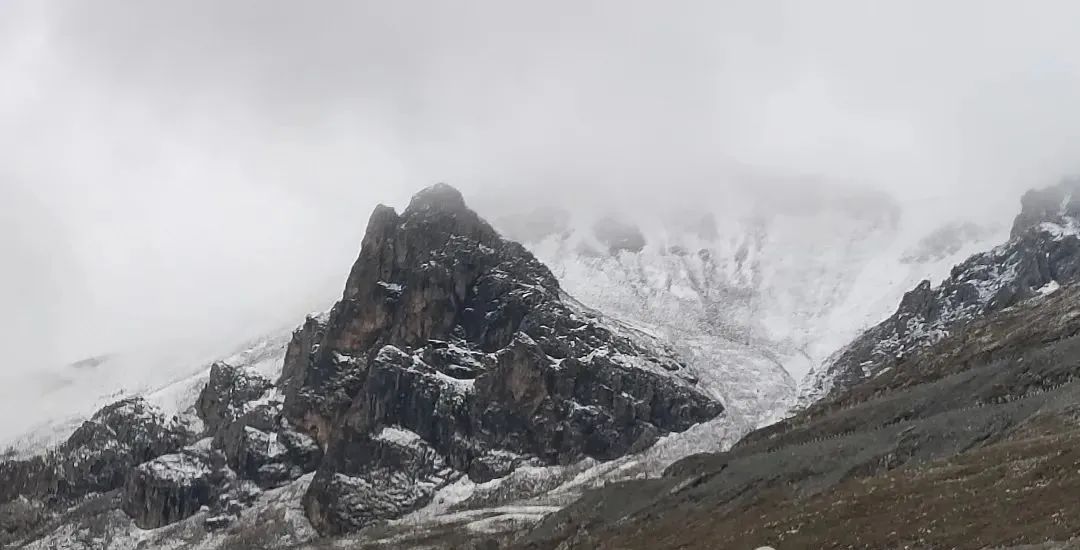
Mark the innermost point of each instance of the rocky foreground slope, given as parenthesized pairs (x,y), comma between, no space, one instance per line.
(453,358)
(967,440)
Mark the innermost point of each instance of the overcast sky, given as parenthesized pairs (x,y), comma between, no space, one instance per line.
(177,169)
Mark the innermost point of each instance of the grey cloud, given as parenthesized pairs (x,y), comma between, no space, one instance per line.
(207,165)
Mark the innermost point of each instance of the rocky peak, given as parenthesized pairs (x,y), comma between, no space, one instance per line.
(225,395)
(435,272)
(463,345)
(453,353)
(1057,204)
(441,198)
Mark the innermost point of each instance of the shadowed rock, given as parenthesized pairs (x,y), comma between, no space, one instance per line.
(453,334)
(169,488)
(226,394)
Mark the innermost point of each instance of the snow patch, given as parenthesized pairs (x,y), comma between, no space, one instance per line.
(180,468)
(399,436)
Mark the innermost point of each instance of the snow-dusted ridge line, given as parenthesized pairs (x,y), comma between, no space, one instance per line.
(1039,256)
(751,300)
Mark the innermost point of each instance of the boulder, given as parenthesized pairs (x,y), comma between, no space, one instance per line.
(227,394)
(384,476)
(169,488)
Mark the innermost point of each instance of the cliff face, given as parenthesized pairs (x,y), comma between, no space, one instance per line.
(454,352)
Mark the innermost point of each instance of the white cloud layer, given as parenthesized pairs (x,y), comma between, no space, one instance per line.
(199,169)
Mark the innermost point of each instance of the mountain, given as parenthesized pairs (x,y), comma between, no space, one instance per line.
(966,439)
(458,396)
(752,287)
(756,288)
(1042,253)
(454,360)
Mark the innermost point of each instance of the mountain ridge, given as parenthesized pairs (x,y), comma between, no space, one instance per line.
(1042,253)
(452,356)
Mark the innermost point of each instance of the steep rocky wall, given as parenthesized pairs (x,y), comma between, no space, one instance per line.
(462,339)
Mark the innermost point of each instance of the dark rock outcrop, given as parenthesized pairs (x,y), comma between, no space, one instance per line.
(453,334)
(452,353)
(243,414)
(104,449)
(96,458)
(92,464)
(381,476)
(304,343)
(226,395)
(262,447)
(19,517)
(170,488)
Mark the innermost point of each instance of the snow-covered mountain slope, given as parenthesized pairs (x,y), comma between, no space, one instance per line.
(1042,253)
(756,290)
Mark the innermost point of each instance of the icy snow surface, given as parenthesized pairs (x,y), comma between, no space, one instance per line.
(752,298)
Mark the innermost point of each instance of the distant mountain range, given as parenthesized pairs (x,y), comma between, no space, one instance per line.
(622,378)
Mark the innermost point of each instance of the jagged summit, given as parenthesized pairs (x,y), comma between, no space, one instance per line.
(1057,204)
(441,196)
(463,341)
(434,226)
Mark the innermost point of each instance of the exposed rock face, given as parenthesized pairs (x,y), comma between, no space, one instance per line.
(305,341)
(452,353)
(249,446)
(98,456)
(262,447)
(20,516)
(465,340)
(1043,253)
(169,488)
(97,459)
(243,413)
(381,476)
(119,436)
(226,394)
